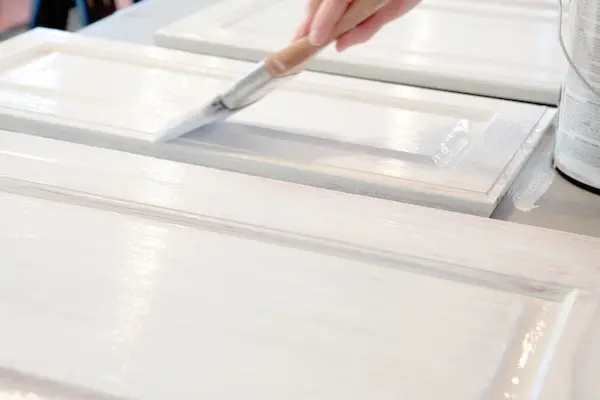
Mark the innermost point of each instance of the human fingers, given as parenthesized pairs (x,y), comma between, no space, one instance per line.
(362,33)
(326,18)
(120,4)
(311,9)
(367,29)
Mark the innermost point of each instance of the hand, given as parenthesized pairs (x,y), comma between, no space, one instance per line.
(120,4)
(323,15)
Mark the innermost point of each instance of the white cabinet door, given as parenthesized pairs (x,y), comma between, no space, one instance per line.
(487,48)
(427,147)
(141,278)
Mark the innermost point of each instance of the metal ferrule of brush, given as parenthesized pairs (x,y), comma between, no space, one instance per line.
(248,89)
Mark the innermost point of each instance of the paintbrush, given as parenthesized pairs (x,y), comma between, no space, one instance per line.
(267,75)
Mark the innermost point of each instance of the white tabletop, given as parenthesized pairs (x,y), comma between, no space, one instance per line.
(539,197)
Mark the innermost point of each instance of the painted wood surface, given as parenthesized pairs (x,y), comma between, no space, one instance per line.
(427,147)
(490,48)
(538,197)
(213,283)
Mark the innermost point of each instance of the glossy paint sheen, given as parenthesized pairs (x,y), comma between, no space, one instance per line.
(427,147)
(217,284)
(487,48)
(231,313)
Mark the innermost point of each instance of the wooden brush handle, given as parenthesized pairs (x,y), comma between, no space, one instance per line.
(288,60)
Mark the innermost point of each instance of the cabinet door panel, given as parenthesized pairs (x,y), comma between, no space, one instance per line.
(427,147)
(490,48)
(213,283)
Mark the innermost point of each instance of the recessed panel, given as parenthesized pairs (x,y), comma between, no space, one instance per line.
(490,48)
(428,147)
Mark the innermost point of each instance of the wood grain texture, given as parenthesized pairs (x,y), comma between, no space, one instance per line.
(228,280)
(431,148)
(487,48)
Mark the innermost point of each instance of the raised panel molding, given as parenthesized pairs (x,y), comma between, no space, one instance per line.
(490,48)
(432,148)
(143,270)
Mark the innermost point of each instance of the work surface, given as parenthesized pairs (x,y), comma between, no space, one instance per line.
(539,196)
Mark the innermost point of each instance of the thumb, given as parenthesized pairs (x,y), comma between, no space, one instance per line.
(312,6)
(325,20)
